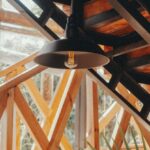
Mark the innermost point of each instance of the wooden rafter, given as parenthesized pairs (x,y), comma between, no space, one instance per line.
(134,18)
(14,18)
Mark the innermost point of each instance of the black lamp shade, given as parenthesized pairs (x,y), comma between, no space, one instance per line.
(86,54)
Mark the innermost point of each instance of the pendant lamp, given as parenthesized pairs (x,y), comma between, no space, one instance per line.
(75,51)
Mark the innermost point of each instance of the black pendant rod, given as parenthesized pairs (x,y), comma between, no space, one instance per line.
(77,7)
(75,21)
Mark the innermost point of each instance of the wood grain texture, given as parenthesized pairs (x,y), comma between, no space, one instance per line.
(30,120)
(65,111)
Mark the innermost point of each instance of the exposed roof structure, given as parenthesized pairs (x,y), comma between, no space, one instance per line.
(121,28)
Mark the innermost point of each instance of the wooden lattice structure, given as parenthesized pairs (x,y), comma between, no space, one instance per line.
(126,78)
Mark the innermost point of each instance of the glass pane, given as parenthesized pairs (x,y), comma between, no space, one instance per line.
(7,6)
(33,7)
(17,46)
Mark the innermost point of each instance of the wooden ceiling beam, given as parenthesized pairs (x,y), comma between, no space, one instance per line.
(14,18)
(102,18)
(104,39)
(112,40)
(67,2)
(95,7)
(134,18)
(33,19)
(118,27)
(18,19)
(136,62)
(92,8)
(19,31)
(111,68)
(50,10)
(140,77)
(145,4)
(121,50)
(21,78)
(138,91)
(119,98)
(133,87)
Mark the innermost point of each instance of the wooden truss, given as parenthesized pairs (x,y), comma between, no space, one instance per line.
(50,135)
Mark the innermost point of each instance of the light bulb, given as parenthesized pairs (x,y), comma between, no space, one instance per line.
(70,63)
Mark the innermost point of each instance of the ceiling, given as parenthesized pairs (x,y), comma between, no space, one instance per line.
(120,27)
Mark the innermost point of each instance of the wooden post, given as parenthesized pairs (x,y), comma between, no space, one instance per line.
(18,132)
(89,119)
(10,124)
(80,117)
(3,103)
(96,116)
(92,114)
(4,131)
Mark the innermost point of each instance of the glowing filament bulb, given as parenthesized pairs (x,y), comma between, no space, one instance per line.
(71,60)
